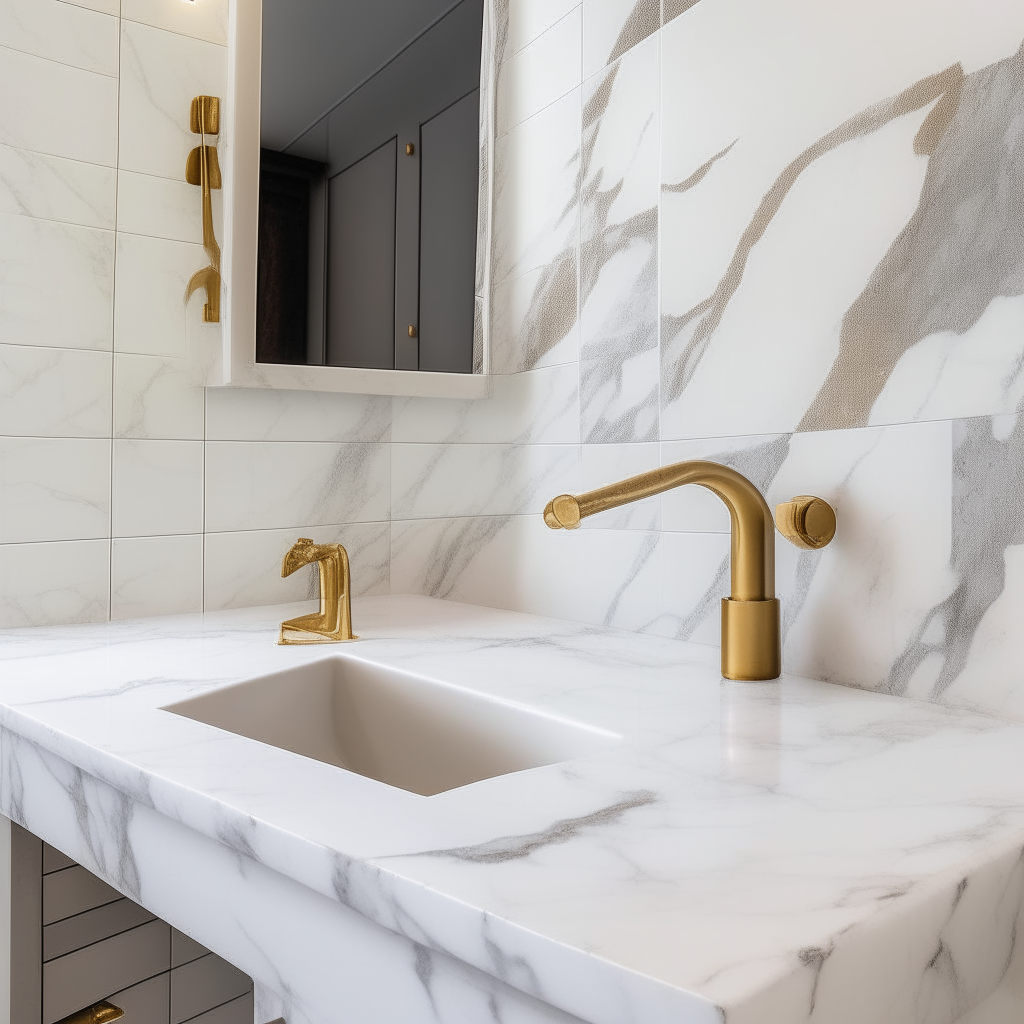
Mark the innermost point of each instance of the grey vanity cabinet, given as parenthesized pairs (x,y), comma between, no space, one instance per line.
(76,941)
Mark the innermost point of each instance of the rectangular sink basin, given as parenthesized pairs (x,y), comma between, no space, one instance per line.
(401,729)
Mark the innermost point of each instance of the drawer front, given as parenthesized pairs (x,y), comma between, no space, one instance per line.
(54,860)
(203,985)
(73,891)
(81,930)
(238,1011)
(184,949)
(148,1003)
(82,978)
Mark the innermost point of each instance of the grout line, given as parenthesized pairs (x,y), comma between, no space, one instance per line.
(64,63)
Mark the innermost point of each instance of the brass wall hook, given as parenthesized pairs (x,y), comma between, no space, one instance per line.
(333,623)
(202,168)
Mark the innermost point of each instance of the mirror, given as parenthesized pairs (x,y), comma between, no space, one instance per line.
(369,170)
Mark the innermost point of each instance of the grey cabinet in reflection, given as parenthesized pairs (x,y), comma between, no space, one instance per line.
(75,941)
(400,159)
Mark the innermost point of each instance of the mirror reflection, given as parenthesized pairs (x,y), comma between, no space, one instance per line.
(369,180)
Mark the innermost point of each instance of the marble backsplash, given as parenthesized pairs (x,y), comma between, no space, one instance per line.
(788,237)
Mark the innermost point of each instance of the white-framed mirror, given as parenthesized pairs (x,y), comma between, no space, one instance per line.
(436,352)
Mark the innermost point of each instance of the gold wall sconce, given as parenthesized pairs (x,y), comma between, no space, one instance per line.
(333,623)
(203,169)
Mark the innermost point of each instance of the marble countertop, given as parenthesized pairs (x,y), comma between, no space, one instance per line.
(746,852)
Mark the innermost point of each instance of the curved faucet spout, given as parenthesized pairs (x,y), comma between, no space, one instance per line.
(333,623)
(753,533)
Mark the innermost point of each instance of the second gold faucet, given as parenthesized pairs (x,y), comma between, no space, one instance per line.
(751,634)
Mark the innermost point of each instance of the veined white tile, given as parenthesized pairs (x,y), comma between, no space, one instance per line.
(612,27)
(608,577)
(160,74)
(244,569)
(530,19)
(54,489)
(57,109)
(673,8)
(156,576)
(54,188)
(156,398)
(534,318)
(540,407)
(56,283)
(253,485)
(50,584)
(536,191)
(105,6)
(207,19)
(163,208)
(604,464)
(149,294)
(243,414)
(158,488)
(61,32)
(53,392)
(544,70)
(436,481)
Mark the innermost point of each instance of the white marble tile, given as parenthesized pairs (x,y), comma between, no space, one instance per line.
(61,32)
(46,584)
(163,208)
(539,407)
(105,6)
(200,19)
(244,569)
(56,109)
(56,284)
(244,414)
(54,489)
(158,488)
(435,481)
(613,27)
(619,364)
(252,485)
(160,73)
(156,398)
(54,392)
(155,576)
(534,318)
(530,19)
(149,295)
(536,192)
(54,188)
(604,464)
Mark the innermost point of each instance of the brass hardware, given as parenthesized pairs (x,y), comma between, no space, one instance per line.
(100,1013)
(751,640)
(410,149)
(333,623)
(806,521)
(412,330)
(203,168)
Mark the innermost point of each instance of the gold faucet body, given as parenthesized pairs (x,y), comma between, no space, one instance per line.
(751,635)
(333,623)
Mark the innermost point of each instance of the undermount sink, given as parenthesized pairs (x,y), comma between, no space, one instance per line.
(399,728)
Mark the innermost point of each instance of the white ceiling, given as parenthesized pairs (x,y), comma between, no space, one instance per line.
(317,51)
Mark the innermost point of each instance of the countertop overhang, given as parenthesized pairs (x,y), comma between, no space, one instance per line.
(747,851)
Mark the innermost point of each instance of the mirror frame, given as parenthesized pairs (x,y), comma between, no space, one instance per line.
(239,156)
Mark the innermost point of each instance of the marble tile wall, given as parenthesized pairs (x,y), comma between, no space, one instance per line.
(125,488)
(787,237)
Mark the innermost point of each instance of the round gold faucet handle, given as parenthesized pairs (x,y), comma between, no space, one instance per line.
(806,521)
(562,513)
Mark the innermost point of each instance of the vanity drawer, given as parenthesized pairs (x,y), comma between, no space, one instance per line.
(204,984)
(82,978)
(238,1011)
(84,929)
(54,860)
(73,891)
(184,949)
(148,1003)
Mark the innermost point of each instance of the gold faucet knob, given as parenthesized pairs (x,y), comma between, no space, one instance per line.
(806,521)
(563,513)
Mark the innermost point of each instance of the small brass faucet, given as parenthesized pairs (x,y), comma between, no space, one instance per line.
(751,637)
(333,623)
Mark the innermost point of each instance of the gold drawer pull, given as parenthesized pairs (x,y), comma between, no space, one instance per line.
(100,1013)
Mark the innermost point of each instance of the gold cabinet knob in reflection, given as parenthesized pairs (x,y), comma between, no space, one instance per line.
(806,521)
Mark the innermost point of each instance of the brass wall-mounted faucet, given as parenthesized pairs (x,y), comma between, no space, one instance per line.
(751,636)
(333,623)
